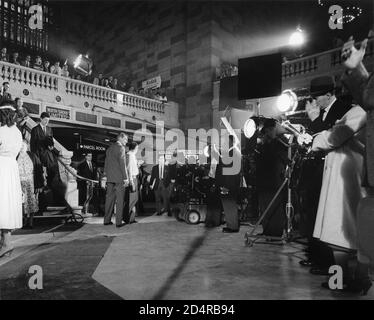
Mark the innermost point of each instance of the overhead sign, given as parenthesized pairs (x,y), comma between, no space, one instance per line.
(91,147)
(152,83)
(58,113)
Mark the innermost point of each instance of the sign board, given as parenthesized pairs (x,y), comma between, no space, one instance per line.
(90,147)
(152,83)
(58,113)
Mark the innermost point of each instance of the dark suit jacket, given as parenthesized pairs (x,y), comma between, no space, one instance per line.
(38,139)
(336,112)
(6,97)
(170,173)
(38,170)
(84,171)
(361,85)
(116,163)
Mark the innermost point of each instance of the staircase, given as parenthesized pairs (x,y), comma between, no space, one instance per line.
(69,177)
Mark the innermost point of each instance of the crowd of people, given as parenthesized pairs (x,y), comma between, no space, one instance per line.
(28,170)
(339,177)
(36,63)
(65,70)
(227,70)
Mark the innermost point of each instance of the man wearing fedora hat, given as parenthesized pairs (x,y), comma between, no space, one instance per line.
(323,111)
(331,109)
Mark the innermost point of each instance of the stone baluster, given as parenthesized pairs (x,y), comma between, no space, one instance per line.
(68,179)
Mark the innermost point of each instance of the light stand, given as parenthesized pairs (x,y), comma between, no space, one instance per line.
(251,237)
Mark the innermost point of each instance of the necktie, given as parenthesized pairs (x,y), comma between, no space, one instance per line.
(89,165)
(161,171)
(322,113)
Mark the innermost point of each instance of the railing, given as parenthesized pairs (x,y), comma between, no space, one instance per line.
(28,76)
(319,62)
(45,80)
(71,175)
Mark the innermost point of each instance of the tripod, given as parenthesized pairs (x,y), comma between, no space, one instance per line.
(251,237)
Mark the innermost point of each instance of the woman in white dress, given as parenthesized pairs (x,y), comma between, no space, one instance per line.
(132,191)
(10,184)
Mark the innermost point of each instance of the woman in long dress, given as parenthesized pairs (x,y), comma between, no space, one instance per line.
(10,184)
(32,181)
(133,171)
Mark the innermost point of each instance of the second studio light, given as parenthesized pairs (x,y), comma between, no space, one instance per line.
(297,38)
(287,101)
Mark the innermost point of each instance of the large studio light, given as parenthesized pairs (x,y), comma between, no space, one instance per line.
(83,65)
(297,38)
(249,128)
(287,101)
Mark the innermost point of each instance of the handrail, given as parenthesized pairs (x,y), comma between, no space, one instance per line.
(315,55)
(29,122)
(77,176)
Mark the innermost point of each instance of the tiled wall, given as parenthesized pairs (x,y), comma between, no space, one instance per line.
(181,42)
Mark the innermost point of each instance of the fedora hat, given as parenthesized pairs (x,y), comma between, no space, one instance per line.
(322,85)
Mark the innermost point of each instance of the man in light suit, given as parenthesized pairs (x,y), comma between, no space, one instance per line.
(162,180)
(115,169)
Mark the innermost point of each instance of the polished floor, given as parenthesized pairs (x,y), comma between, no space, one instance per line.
(158,258)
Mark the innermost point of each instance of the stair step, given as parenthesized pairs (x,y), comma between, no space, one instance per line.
(55,208)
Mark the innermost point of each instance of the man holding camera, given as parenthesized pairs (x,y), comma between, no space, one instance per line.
(323,111)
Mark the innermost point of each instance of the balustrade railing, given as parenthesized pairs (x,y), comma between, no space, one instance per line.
(318,62)
(35,78)
(27,76)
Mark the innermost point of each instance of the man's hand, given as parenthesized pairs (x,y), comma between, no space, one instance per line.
(304,139)
(312,110)
(351,56)
(126,183)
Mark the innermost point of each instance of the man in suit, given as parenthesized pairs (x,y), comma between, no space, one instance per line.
(361,85)
(3,55)
(115,168)
(86,170)
(26,62)
(323,111)
(39,137)
(162,181)
(4,94)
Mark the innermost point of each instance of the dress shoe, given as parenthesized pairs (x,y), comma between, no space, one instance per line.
(120,225)
(159,213)
(319,271)
(107,223)
(134,221)
(5,251)
(228,230)
(306,263)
